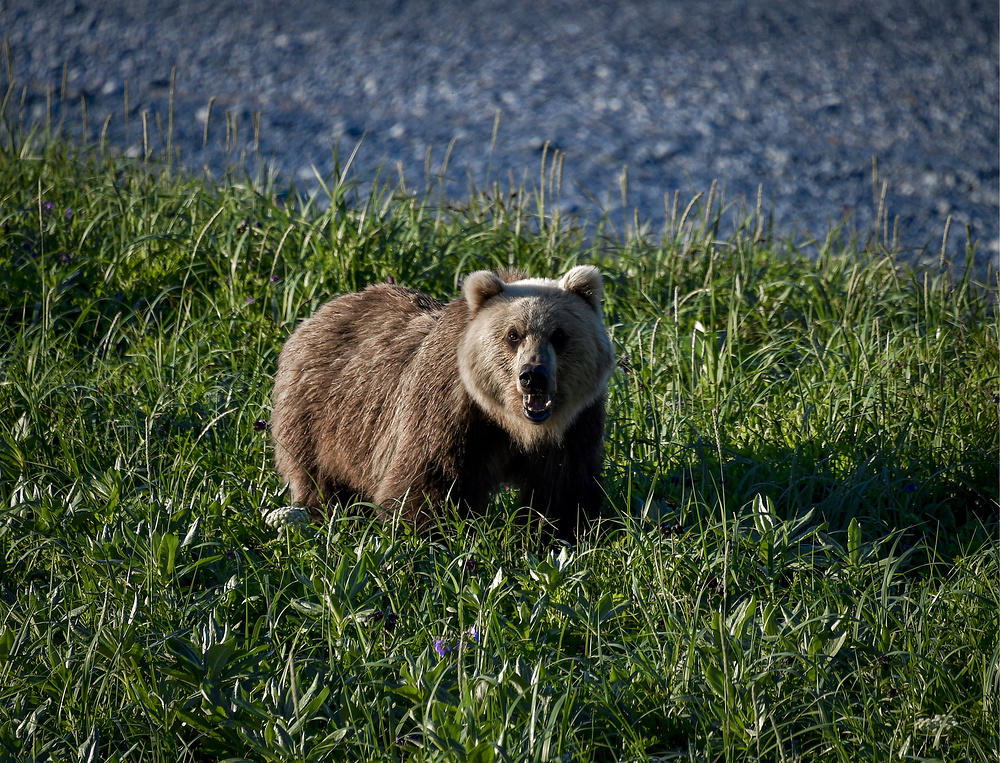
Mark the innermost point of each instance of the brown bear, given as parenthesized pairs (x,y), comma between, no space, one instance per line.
(395,398)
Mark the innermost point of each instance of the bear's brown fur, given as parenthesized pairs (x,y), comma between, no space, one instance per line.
(401,400)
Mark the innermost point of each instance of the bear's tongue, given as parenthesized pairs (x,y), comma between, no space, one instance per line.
(537,407)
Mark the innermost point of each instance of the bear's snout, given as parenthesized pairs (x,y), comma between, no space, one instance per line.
(533,384)
(533,379)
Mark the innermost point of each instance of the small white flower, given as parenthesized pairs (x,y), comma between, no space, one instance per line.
(287,516)
(940,723)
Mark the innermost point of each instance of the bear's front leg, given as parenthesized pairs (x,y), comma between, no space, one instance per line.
(564,483)
(412,491)
(568,495)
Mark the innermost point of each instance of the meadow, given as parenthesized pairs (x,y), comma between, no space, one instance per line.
(798,559)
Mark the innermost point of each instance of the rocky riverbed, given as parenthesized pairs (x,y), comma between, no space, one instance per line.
(795,96)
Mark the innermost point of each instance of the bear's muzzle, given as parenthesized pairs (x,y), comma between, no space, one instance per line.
(533,384)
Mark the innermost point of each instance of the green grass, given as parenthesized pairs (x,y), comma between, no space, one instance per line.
(799,560)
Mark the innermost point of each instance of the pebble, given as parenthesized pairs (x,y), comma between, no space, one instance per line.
(796,95)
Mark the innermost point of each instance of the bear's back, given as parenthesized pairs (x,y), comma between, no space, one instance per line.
(340,378)
(392,318)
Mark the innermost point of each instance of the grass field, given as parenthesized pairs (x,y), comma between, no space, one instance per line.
(799,558)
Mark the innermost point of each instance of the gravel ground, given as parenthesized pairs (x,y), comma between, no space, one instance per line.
(796,95)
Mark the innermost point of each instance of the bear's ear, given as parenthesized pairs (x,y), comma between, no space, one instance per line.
(586,281)
(479,287)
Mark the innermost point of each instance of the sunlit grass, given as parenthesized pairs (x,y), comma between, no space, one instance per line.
(798,559)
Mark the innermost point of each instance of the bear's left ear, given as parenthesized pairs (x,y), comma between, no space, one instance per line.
(586,281)
(479,287)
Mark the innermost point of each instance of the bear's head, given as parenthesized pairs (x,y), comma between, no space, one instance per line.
(535,352)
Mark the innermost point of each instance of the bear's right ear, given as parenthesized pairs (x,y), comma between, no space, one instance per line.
(479,287)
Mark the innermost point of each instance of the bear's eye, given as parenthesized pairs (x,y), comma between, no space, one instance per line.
(559,340)
(513,337)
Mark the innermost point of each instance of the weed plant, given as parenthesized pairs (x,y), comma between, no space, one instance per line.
(798,560)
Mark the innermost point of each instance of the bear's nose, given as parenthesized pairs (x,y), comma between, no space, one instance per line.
(534,379)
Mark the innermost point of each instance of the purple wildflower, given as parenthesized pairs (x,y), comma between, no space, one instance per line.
(387,619)
(69,213)
(668,529)
(474,634)
(391,618)
(64,257)
(275,279)
(442,647)
(48,206)
(910,487)
(249,300)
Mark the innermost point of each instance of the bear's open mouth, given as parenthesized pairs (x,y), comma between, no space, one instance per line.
(537,407)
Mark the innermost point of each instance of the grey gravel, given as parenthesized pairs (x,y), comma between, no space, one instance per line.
(796,95)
